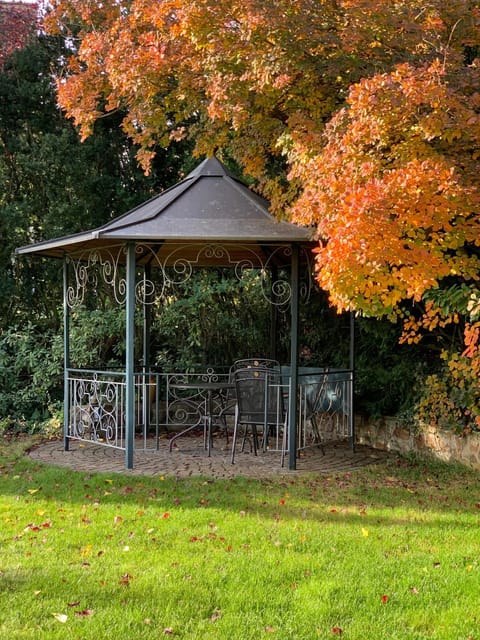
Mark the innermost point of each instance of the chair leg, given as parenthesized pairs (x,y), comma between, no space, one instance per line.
(316,433)
(253,441)
(284,445)
(234,440)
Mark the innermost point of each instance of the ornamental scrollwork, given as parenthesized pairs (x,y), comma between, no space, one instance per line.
(88,270)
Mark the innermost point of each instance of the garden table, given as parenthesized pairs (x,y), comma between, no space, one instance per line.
(208,390)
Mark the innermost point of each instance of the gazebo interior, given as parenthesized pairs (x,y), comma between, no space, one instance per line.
(208,220)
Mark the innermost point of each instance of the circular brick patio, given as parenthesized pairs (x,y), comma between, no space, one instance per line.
(190,459)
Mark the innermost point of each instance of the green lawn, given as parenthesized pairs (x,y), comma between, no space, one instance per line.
(388,551)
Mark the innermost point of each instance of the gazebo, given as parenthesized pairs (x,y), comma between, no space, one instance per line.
(209,219)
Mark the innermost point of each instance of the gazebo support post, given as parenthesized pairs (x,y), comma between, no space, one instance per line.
(130,357)
(292,409)
(352,380)
(66,357)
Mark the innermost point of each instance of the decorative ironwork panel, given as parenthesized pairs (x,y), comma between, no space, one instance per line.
(97,408)
(91,269)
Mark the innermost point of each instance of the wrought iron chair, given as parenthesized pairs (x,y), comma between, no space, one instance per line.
(259,403)
(226,412)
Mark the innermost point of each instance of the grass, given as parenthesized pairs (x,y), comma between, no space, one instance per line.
(388,551)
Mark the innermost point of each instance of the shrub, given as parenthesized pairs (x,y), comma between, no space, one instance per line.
(30,376)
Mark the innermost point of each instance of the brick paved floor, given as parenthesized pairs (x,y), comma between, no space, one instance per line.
(190,459)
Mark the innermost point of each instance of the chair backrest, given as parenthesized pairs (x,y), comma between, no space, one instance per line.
(259,395)
(262,363)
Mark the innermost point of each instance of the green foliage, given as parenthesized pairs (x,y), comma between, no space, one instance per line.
(453,298)
(450,399)
(324,339)
(31,378)
(386,372)
(97,338)
(211,320)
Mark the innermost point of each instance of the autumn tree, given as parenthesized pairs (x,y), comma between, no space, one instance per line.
(18,21)
(357,117)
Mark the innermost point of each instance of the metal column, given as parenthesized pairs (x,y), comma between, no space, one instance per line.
(66,358)
(293,403)
(130,358)
(147,318)
(352,379)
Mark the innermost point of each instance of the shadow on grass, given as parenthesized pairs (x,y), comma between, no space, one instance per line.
(370,496)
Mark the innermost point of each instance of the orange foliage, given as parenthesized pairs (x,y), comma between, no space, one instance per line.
(373,106)
(393,190)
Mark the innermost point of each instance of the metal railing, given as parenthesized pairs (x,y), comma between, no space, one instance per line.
(325,407)
(97,406)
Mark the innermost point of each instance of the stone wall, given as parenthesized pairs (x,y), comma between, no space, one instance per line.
(390,435)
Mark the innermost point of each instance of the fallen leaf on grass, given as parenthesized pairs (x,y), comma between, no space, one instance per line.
(125,580)
(168,631)
(269,630)
(216,615)
(37,527)
(384,599)
(84,613)
(61,617)
(337,631)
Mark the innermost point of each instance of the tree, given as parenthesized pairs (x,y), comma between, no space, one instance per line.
(358,117)
(51,184)
(18,22)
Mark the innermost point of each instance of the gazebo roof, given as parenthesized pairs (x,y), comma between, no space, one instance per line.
(209,206)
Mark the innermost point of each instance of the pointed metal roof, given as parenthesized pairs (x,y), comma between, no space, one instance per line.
(210,205)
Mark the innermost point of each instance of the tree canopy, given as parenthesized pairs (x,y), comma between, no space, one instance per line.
(358,118)
(361,118)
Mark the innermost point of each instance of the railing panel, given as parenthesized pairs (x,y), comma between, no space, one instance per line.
(97,407)
(324,407)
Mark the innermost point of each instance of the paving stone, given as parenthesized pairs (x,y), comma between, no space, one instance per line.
(190,459)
